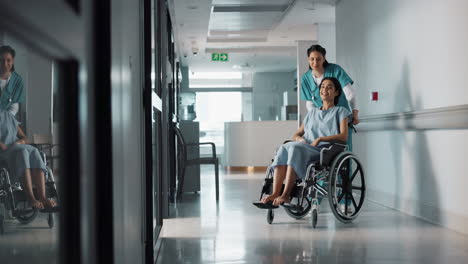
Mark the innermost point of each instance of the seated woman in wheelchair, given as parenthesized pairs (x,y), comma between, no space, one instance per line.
(320,127)
(24,161)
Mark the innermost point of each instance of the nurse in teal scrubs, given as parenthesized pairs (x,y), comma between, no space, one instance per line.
(11,83)
(320,68)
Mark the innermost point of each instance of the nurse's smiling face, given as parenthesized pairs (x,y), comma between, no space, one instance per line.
(316,60)
(328,91)
(6,62)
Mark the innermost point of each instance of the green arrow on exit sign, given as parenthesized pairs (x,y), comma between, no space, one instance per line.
(219,57)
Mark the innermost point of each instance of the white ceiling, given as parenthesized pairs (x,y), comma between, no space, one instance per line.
(259,35)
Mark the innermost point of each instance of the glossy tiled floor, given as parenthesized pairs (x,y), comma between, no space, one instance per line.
(234,231)
(31,243)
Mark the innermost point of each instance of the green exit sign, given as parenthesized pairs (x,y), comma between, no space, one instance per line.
(219,57)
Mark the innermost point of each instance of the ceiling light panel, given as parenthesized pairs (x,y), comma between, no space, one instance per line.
(251,2)
(250,8)
(235,39)
(237,33)
(256,50)
(243,20)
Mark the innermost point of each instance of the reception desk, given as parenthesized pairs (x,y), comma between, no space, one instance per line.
(253,143)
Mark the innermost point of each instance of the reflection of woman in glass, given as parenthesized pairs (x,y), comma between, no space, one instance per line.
(11,83)
(24,161)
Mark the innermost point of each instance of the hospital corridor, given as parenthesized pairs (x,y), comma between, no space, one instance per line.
(233,131)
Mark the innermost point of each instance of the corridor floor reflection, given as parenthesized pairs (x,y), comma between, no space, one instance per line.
(22,243)
(237,232)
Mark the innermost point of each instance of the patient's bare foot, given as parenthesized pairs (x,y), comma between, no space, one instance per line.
(269,198)
(36,204)
(281,200)
(48,203)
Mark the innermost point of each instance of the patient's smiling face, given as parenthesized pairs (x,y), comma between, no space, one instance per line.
(328,91)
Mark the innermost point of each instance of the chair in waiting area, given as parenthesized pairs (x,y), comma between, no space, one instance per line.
(183,162)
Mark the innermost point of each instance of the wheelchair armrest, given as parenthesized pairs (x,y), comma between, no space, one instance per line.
(213,146)
(328,154)
(338,142)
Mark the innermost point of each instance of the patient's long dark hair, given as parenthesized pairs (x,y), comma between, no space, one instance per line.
(337,85)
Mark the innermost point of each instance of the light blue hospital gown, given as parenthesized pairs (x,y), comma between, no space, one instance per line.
(317,123)
(18,156)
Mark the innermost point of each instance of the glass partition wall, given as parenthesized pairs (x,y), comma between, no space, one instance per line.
(156,197)
(66,74)
(39,156)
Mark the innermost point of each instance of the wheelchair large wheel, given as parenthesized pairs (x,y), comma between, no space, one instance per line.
(303,203)
(6,191)
(25,214)
(347,187)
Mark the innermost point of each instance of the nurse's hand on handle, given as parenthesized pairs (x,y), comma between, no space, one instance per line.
(355,117)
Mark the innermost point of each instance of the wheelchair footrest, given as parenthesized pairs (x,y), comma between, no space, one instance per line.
(50,209)
(268,205)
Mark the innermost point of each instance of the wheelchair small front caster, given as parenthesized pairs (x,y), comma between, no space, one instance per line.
(50,220)
(2,218)
(270,216)
(2,225)
(314,217)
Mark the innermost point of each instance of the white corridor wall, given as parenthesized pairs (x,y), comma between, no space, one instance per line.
(414,54)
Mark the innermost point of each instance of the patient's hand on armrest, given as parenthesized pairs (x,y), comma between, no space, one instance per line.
(316,142)
(301,139)
(3,146)
(20,141)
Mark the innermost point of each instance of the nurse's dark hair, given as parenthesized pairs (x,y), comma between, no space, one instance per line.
(320,50)
(337,85)
(7,49)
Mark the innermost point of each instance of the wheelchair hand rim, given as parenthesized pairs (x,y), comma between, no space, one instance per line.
(337,163)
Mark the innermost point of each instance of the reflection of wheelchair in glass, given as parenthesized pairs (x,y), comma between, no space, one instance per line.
(13,200)
(338,175)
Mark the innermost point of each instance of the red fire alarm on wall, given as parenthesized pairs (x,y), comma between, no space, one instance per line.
(375,96)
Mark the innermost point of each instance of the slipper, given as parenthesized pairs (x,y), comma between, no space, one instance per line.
(267,205)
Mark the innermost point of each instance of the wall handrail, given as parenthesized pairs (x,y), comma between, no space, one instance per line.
(450,117)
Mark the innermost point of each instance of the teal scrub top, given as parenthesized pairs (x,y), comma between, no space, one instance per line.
(311,92)
(13,92)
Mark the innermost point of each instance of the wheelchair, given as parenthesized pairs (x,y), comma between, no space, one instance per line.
(338,175)
(13,199)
